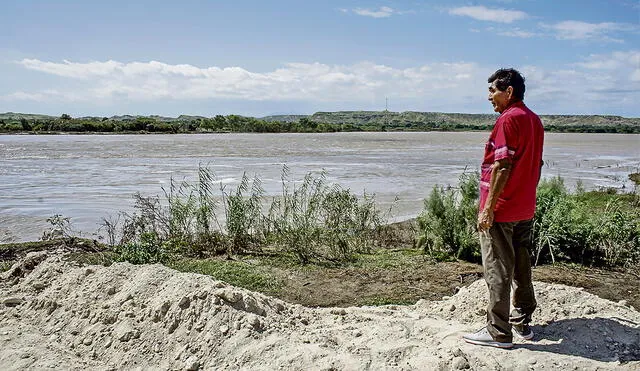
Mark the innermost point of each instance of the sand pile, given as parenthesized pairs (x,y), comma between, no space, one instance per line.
(55,315)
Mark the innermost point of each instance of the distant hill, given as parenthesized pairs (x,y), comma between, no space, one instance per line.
(410,117)
(28,116)
(283,118)
(317,122)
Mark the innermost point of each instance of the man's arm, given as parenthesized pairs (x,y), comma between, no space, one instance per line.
(499,176)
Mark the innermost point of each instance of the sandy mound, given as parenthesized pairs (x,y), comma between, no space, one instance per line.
(60,316)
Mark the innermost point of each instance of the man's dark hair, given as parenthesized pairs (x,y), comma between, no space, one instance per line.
(506,77)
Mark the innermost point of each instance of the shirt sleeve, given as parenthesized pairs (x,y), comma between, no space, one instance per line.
(505,140)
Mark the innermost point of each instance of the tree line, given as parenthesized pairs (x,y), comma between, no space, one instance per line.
(242,124)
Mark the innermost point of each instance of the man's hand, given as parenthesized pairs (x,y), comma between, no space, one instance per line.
(485,220)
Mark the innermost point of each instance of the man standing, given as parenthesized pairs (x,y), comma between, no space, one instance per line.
(509,177)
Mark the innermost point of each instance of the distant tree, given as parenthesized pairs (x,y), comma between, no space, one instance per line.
(26,126)
(65,117)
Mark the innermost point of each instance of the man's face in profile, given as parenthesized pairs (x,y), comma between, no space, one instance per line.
(499,99)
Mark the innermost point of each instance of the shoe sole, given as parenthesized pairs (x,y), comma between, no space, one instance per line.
(494,344)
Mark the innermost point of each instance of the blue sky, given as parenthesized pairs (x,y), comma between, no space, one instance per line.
(297,57)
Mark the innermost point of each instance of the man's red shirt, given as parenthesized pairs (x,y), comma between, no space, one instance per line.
(517,135)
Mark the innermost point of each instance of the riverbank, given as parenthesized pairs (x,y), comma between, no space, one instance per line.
(58,314)
(397,274)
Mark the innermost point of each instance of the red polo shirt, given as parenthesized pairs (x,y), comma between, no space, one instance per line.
(519,136)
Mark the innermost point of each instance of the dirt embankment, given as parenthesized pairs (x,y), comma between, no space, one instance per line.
(57,315)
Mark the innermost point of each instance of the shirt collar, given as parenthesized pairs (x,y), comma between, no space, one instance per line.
(519,104)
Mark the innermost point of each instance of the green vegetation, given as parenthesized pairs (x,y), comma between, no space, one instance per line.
(318,244)
(320,122)
(237,273)
(315,222)
(446,227)
(600,228)
(594,228)
(5,265)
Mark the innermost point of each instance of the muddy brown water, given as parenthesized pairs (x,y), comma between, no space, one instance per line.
(88,177)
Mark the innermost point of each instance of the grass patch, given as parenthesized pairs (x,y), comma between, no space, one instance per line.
(92,258)
(5,265)
(391,259)
(13,250)
(246,274)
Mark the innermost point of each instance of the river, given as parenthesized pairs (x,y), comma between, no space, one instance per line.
(88,177)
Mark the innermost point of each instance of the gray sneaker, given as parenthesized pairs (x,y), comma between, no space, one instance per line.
(523,331)
(483,337)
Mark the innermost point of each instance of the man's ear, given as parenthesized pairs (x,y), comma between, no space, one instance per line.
(510,91)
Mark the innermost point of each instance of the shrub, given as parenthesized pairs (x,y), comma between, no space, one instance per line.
(316,221)
(183,222)
(447,225)
(576,228)
(592,228)
(149,249)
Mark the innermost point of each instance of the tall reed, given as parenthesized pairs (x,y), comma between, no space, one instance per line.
(314,221)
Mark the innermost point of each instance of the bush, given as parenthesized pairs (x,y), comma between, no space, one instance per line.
(591,228)
(317,222)
(447,225)
(244,216)
(183,222)
(149,249)
(577,228)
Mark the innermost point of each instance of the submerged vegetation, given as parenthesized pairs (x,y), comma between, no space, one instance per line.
(321,122)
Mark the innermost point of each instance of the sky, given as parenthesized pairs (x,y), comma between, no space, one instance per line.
(258,58)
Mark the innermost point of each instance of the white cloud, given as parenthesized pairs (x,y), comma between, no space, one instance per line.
(154,80)
(382,12)
(595,85)
(578,30)
(482,13)
(599,83)
(518,33)
(613,61)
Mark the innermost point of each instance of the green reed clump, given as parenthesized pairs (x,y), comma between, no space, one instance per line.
(243,214)
(183,222)
(319,222)
(314,221)
(447,225)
